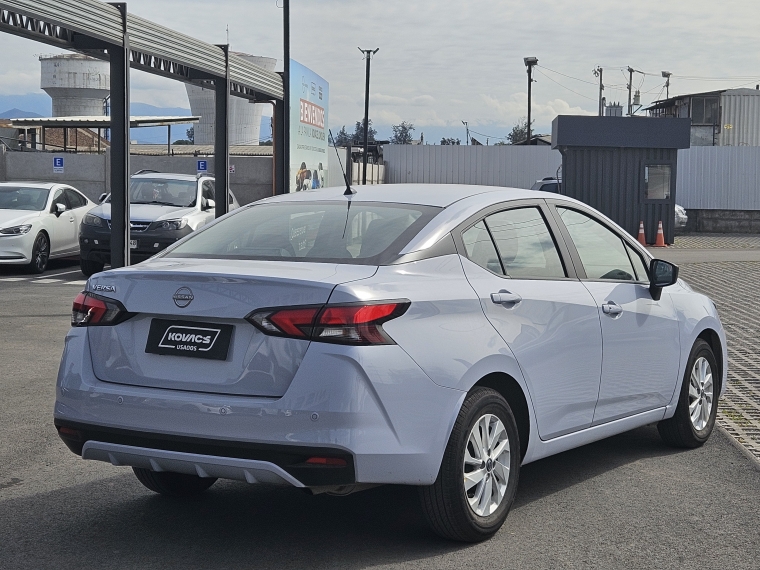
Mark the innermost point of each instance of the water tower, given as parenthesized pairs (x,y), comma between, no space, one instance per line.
(245,117)
(77,84)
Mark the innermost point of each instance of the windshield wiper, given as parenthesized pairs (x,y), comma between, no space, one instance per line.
(159,203)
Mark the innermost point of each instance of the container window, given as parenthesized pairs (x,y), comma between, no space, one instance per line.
(657,181)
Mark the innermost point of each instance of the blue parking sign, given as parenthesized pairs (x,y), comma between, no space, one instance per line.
(58,165)
(202,166)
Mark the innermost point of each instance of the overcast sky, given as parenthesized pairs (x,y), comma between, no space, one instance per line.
(443,62)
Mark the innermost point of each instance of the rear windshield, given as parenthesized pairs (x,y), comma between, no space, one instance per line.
(21,198)
(362,233)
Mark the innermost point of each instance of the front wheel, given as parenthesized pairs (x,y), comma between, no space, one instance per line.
(173,484)
(90,268)
(477,481)
(40,254)
(697,408)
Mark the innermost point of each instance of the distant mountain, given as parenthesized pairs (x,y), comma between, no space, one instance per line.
(145,110)
(18,114)
(33,104)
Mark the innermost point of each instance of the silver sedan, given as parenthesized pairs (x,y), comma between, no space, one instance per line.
(427,335)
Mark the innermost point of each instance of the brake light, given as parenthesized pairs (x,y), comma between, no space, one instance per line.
(355,323)
(331,461)
(89,310)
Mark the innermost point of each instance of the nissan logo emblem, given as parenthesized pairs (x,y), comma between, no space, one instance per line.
(183,297)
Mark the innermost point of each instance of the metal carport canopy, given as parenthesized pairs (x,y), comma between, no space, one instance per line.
(154,48)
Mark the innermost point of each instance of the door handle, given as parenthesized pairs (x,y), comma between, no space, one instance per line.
(504,297)
(612,309)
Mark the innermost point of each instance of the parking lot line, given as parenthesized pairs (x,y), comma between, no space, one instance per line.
(78,283)
(13,278)
(38,280)
(58,274)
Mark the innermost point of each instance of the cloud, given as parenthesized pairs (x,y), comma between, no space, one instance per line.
(517,106)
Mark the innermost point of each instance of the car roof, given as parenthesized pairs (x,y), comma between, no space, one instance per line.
(45,185)
(439,195)
(169,175)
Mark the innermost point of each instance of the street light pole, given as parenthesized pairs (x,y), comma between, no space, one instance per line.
(529,63)
(368,53)
(666,75)
(598,73)
(467,130)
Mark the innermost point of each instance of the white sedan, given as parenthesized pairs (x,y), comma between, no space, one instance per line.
(431,335)
(39,221)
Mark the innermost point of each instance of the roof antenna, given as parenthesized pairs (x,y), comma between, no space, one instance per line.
(349,191)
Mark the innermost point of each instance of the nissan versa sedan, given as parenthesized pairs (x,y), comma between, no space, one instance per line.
(39,221)
(428,335)
(164,208)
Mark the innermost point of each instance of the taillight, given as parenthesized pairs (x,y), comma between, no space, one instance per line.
(90,310)
(355,323)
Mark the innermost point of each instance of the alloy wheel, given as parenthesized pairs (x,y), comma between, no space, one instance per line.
(41,252)
(700,393)
(486,465)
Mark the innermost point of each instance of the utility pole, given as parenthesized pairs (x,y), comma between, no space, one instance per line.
(598,73)
(467,129)
(666,75)
(630,87)
(285,135)
(368,53)
(529,63)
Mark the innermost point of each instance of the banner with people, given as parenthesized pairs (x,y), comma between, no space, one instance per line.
(309,102)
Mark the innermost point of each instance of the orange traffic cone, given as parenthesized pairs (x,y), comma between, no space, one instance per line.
(642,236)
(660,242)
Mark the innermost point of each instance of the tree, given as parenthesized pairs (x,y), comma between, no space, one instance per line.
(358,136)
(519,131)
(402,133)
(451,141)
(191,135)
(342,138)
(182,142)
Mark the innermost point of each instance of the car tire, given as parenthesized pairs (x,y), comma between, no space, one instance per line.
(173,484)
(697,407)
(40,254)
(90,268)
(455,506)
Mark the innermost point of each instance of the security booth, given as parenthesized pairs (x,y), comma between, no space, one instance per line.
(625,167)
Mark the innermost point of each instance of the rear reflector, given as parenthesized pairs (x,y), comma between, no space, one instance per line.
(69,432)
(331,461)
(92,310)
(355,323)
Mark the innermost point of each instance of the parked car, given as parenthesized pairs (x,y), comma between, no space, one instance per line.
(431,335)
(39,221)
(163,208)
(550,184)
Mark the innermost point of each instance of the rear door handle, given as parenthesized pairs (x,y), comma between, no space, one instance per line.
(612,309)
(504,297)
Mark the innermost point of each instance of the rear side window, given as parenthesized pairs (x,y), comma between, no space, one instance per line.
(76,200)
(480,248)
(525,244)
(601,250)
(367,233)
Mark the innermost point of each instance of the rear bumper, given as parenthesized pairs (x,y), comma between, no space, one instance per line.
(372,406)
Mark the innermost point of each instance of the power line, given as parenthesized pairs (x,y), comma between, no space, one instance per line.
(568,76)
(564,87)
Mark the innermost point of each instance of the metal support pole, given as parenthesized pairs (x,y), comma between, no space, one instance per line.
(281,179)
(368,53)
(119,59)
(349,165)
(168,140)
(285,119)
(630,87)
(43,138)
(222,138)
(598,72)
(529,63)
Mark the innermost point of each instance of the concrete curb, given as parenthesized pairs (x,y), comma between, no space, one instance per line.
(746,452)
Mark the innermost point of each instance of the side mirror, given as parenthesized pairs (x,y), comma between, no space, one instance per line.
(102,198)
(210,204)
(59,209)
(661,274)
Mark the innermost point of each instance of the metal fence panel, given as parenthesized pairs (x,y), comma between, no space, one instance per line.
(719,178)
(512,166)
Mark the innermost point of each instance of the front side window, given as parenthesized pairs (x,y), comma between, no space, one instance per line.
(525,245)
(657,182)
(341,232)
(601,250)
(638,264)
(20,198)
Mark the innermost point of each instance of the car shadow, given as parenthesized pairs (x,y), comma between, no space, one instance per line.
(53,266)
(116,523)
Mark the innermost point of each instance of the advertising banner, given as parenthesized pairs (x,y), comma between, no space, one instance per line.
(309,101)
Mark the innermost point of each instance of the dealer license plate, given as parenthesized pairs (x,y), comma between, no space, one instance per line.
(189,338)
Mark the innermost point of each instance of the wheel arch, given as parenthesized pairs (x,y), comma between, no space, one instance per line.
(513,393)
(712,338)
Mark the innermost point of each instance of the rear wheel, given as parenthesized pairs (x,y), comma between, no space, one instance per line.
(40,254)
(477,482)
(90,268)
(697,408)
(173,484)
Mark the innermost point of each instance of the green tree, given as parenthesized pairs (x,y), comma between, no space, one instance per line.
(358,136)
(342,138)
(402,133)
(191,135)
(450,141)
(519,132)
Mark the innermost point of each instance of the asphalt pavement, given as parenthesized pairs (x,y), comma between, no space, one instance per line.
(626,502)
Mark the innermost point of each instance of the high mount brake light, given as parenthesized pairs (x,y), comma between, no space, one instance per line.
(354,323)
(94,310)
